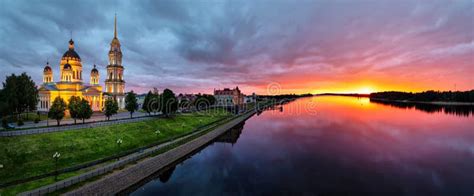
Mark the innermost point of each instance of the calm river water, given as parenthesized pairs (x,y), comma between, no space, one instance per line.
(332,145)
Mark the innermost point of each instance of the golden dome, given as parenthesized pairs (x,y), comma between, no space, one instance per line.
(47,68)
(94,70)
(71,54)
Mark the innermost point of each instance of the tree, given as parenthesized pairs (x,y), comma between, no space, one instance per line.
(29,92)
(169,102)
(58,109)
(184,103)
(85,110)
(20,94)
(131,103)
(73,107)
(146,102)
(155,103)
(3,104)
(111,108)
(204,101)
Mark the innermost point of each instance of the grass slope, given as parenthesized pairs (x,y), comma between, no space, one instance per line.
(26,156)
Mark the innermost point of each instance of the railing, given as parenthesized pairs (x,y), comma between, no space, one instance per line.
(72,127)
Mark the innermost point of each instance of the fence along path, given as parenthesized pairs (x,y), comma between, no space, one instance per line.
(150,165)
(71,127)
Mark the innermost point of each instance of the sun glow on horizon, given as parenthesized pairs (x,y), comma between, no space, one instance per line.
(365,90)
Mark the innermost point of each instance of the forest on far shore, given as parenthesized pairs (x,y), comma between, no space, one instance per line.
(428,96)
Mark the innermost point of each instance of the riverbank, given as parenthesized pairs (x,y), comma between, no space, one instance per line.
(440,103)
(121,180)
(29,156)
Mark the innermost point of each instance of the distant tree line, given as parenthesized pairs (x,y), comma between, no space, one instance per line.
(344,94)
(427,96)
(166,103)
(284,96)
(203,101)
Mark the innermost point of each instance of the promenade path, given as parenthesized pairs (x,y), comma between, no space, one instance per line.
(93,122)
(116,182)
(96,116)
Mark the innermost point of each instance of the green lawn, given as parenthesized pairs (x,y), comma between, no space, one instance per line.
(26,156)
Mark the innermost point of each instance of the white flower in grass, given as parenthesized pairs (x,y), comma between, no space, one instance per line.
(1,166)
(157,132)
(119,141)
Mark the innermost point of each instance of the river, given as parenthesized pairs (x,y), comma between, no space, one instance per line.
(331,145)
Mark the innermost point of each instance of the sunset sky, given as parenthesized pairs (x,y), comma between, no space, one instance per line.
(293,46)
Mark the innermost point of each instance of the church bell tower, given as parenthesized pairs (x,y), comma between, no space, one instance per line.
(114,83)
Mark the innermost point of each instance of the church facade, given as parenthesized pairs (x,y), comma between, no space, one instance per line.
(71,81)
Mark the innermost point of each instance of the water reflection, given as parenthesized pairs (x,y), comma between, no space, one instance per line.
(346,146)
(458,110)
(230,136)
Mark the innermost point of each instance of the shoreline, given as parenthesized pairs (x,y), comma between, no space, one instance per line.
(123,179)
(439,103)
(60,185)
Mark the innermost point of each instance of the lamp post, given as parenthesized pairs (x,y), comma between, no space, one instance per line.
(56,156)
(119,142)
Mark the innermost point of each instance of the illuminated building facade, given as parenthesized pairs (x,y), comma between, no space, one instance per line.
(114,83)
(229,97)
(70,83)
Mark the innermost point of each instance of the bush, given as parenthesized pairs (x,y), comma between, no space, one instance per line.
(37,119)
(20,122)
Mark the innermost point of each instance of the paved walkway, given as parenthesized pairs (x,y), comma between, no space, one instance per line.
(121,180)
(88,124)
(97,116)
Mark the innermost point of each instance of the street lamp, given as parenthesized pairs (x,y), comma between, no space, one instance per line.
(119,142)
(56,156)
